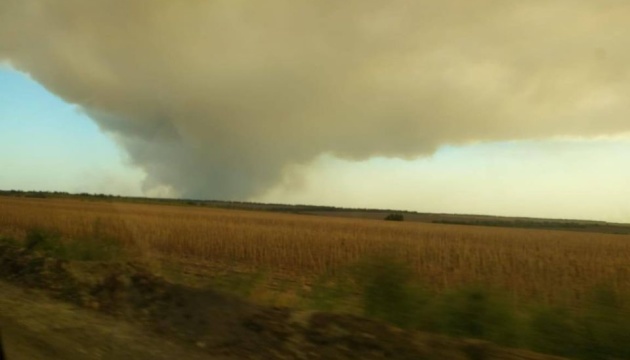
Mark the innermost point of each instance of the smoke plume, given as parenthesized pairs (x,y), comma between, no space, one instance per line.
(217,98)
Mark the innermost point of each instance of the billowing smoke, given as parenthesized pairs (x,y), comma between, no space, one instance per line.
(217,98)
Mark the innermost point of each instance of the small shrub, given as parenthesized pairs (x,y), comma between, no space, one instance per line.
(475,312)
(241,284)
(386,290)
(43,240)
(52,244)
(554,331)
(395,217)
(90,250)
(605,326)
(328,293)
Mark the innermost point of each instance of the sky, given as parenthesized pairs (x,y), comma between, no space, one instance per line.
(501,108)
(48,144)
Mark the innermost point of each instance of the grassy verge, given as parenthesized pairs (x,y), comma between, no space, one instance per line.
(383,288)
(94,248)
(598,330)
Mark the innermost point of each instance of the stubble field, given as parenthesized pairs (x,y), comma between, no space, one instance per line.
(542,265)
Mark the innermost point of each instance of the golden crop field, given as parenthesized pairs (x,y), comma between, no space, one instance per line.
(543,264)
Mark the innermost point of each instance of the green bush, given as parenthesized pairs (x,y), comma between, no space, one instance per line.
(554,330)
(240,284)
(52,244)
(387,292)
(91,250)
(328,293)
(395,217)
(605,326)
(597,330)
(476,312)
(43,240)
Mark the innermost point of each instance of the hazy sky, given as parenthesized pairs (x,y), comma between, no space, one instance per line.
(495,107)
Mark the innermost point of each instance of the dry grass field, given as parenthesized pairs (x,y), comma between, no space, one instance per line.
(540,264)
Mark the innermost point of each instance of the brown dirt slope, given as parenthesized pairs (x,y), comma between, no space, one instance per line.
(36,327)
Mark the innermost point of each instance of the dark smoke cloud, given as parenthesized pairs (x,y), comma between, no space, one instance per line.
(217,98)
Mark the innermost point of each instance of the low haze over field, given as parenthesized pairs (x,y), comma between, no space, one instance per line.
(500,107)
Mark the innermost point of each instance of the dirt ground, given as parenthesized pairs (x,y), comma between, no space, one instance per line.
(35,327)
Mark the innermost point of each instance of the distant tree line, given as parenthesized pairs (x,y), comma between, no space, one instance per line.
(541,224)
(194,202)
(518,223)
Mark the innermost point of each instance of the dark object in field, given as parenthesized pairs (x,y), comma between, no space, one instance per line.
(2,357)
(395,217)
